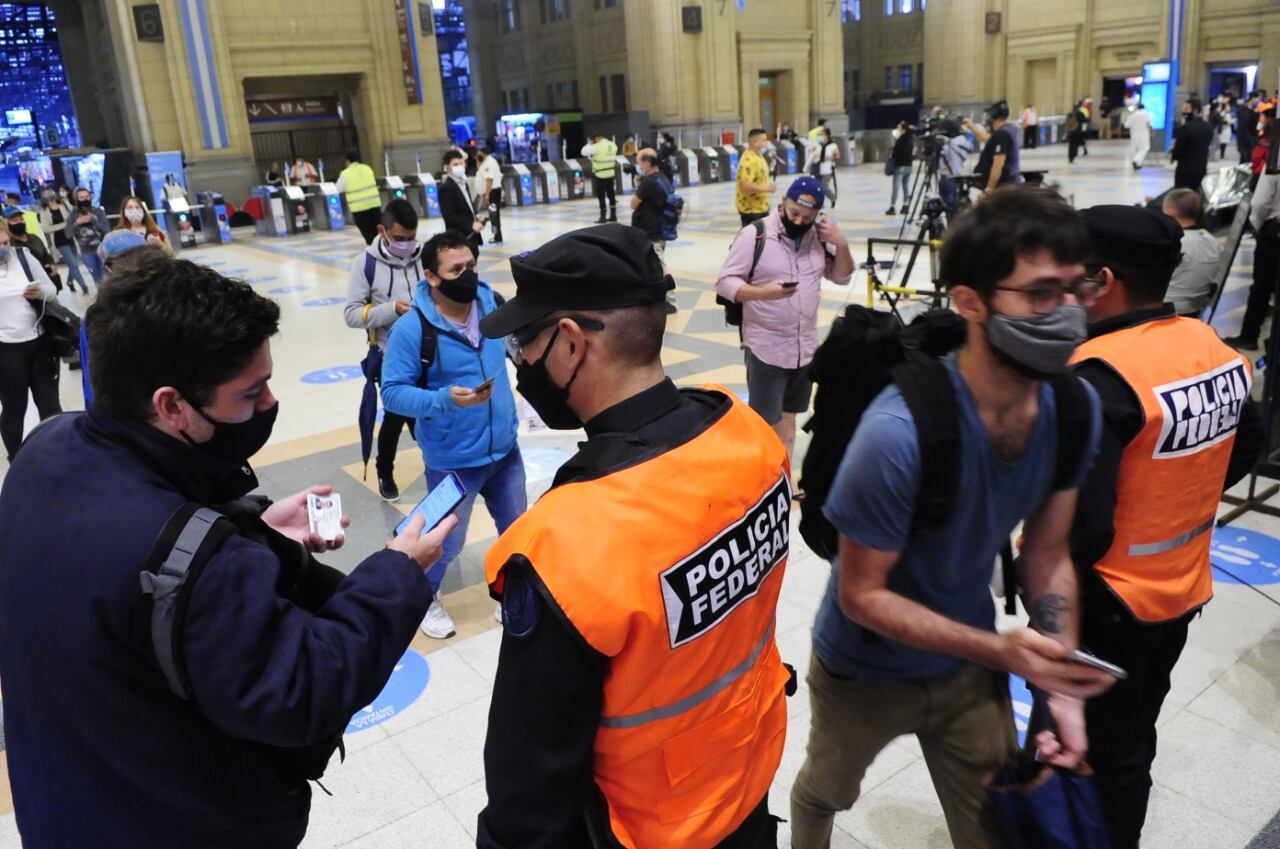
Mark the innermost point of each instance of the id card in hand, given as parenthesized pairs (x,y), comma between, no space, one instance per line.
(324,514)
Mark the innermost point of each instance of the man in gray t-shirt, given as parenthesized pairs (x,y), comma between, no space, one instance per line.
(1195,277)
(905,639)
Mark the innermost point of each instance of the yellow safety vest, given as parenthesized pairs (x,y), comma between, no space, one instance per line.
(604,162)
(361,187)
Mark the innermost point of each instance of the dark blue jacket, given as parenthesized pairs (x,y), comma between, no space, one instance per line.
(100,752)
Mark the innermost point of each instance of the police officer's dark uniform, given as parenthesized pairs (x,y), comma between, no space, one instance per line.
(1178,428)
(593,692)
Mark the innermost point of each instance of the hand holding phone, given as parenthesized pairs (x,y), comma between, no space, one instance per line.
(484,387)
(442,500)
(1087,659)
(790,284)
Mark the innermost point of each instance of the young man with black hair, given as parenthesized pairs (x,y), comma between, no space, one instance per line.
(175,663)
(1191,143)
(753,188)
(456,206)
(905,639)
(998,164)
(462,402)
(380,290)
(1141,534)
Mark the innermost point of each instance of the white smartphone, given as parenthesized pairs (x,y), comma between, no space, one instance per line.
(324,515)
(1087,659)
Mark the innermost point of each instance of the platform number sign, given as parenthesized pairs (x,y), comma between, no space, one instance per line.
(147,22)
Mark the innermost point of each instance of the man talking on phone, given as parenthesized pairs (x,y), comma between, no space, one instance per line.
(774,270)
(1178,428)
(175,663)
(639,694)
(439,370)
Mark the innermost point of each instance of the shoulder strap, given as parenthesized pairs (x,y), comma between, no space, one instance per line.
(427,355)
(759,248)
(180,553)
(26,266)
(930,395)
(370,268)
(1074,413)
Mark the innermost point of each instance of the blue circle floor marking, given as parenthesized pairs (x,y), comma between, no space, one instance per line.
(407,682)
(335,374)
(284,290)
(1244,555)
(324,302)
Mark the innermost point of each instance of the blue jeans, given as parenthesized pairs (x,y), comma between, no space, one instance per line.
(72,259)
(948,191)
(94,264)
(501,484)
(901,177)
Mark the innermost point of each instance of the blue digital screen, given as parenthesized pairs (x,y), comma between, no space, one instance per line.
(1155,93)
(1155,72)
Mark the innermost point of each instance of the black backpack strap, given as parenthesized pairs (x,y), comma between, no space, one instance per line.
(930,395)
(1075,421)
(759,247)
(427,352)
(190,537)
(26,266)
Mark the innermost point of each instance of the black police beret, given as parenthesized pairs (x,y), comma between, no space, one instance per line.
(596,268)
(1133,235)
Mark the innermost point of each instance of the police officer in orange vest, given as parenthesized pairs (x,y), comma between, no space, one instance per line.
(639,697)
(1178,428)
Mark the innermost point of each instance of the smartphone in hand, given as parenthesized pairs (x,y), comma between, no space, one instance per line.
(790,284)
(488,384)
(438,503)
(1087,659)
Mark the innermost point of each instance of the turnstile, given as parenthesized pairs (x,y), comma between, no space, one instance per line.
(729,162)
(572,177)
(214,221)
(284,211)
(325,205)
(390,188)
(687,168)
(788,159)
(178,225)
(547,180)
(517,185)
(623,175)
(708,164)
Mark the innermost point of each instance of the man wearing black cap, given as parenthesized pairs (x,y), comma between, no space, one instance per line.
(639,692)
(998,164)
(1178,428)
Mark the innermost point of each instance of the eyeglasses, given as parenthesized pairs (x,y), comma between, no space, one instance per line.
(1046,299)
(523,337)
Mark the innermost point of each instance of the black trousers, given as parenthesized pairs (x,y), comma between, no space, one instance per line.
(495,213)
(25,366)
(367,221)
(1245,144)
(1266,261)
(1122,721)
(1186,178)
(748,217)
(604,188)
(1075,141)
(1029,136)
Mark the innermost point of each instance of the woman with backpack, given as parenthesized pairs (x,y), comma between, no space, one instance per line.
(26,364)
(88,226)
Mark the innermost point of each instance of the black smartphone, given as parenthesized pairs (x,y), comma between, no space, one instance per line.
(488,384)
(791,284)
(437,504)
(1087,659)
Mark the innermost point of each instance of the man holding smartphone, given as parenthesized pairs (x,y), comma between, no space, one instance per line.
(1142,530)
(775,270)
(182,690)
(465,412)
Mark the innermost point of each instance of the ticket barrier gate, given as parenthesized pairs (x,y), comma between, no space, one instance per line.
(517,185)
(623,175)
(215,223)
(325,206)
(546,179)
(572,178)
(284,211)
(391,188)
(788,158)
(687,169)
(179,227)
(424,194)
(708,164)
(728,155)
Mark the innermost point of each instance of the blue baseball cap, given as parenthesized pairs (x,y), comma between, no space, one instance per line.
(117,242)
(807,186)
(11,210)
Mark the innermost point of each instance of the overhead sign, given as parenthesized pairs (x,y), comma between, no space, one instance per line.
(291,108)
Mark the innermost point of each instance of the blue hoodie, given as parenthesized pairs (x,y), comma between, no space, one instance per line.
(451,437)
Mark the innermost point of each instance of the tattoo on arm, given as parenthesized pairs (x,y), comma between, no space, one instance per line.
(1049,613)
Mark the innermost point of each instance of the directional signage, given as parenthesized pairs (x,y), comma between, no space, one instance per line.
(291,108)
(407,681)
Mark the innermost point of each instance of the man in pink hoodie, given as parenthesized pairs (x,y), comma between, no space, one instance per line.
(780,300)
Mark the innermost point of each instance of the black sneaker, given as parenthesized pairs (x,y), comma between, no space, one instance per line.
(387,488)
(890,211)
(1241,343)
(601,220)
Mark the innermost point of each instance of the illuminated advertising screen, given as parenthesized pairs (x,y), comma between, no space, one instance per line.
(1155,93)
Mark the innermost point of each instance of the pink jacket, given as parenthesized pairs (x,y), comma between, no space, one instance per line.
(780,333)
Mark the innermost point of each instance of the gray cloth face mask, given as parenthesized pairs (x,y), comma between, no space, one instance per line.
(1038,346)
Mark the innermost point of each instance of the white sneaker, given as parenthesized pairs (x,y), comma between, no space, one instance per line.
(437,624)
(497,612)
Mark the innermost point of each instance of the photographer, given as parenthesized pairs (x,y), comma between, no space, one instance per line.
(176,664)
(998,164)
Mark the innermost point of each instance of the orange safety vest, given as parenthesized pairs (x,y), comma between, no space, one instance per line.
(671,569)
(1191,387)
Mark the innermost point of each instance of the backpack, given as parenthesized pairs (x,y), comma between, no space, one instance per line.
(733,309)
(864,353)
(431,341)
(672,210)
(59,326)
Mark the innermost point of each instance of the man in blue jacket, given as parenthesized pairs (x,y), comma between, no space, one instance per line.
(465,411)
(135,724)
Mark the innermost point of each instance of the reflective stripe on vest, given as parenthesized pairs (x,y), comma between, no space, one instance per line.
(361,187)
(695,541)
(604,162)
(1191,387)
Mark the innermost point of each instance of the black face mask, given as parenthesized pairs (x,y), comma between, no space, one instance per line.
(84,204)
(549,401)
(236,442)
(792,229)
(19,229)
(462,288)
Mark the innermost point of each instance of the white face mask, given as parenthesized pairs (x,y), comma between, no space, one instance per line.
(133,214)
(458,171)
